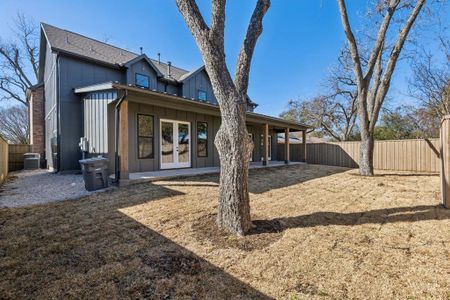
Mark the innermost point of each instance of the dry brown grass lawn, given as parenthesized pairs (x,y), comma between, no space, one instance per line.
(323,232)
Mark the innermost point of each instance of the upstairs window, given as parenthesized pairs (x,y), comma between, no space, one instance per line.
(202,139)
(202,95)
(145,136)
(142,81)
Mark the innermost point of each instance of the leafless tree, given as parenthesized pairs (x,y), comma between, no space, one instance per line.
(431,82)
(14,124)
(232,140)
(335,112)
(374,79)
(19,61)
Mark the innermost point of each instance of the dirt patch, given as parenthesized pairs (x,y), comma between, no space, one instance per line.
(263,234)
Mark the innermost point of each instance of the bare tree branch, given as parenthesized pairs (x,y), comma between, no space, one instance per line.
(14,124)
(245,56)
(19,61)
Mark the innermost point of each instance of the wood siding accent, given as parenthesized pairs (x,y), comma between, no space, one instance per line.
(124,139)
(421,155)
(3,160)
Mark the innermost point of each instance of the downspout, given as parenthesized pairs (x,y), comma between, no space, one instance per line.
(58,119)
(116,137)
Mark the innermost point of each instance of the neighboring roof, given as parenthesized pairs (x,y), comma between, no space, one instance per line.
(69,42)
(251,116)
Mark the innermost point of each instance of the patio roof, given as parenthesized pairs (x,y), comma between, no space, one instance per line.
(174,101)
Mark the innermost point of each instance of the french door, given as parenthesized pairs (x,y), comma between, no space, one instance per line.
(175,144)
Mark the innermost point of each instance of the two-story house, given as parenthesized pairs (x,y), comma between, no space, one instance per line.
(141,113)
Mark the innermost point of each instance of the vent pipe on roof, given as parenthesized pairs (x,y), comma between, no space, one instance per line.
(140,48)
(169,65)
(159,58)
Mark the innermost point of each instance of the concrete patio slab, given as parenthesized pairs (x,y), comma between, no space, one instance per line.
(175,173)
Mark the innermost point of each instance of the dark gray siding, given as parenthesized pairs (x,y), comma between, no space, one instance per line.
(199,81)
(50,103)
(257,132)
(142,67)
(142,165)
(76,73)
(169,88)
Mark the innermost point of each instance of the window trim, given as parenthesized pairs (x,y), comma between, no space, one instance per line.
(145,136)
(198,95)
(207,138)
(135,80)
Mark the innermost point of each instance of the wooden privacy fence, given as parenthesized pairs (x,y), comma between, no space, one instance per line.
(297,152)
(16,153)
(420,155)
(3,160)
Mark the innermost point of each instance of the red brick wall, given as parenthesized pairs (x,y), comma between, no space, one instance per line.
(37,123)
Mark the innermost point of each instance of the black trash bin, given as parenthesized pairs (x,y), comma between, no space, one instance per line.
(95,173)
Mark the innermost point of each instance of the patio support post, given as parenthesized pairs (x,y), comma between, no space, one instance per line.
(286,146)
(304,144)
(265,144)
(124,140)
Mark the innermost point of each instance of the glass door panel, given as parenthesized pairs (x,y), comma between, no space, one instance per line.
(167,145)
(183,143)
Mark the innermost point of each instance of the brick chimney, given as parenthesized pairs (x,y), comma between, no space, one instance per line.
(37,123)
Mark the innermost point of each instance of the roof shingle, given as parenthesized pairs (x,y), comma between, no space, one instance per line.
(80,45)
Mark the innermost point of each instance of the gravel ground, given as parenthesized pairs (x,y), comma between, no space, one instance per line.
(40,186)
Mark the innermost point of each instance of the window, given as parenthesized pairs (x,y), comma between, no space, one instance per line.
(201,95)
(202,139)
(142,81)
(145,136)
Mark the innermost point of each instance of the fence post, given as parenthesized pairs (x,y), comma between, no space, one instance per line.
(445,160)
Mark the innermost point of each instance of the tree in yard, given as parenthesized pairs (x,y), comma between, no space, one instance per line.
(333,114)
(431,82)
(232,140)
(14,124)
(19,61)
(374,81)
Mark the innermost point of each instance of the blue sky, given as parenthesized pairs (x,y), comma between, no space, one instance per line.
(300,42)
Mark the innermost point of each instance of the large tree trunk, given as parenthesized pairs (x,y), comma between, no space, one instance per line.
(234,147)
(232,141)
(366,154)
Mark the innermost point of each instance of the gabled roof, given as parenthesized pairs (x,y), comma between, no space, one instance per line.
(192,73)
(72,43)
(143,57)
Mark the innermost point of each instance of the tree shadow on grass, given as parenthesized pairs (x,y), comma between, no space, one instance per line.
(377,216)
(88,248)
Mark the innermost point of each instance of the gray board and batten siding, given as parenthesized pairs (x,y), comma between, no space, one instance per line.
(158,113)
